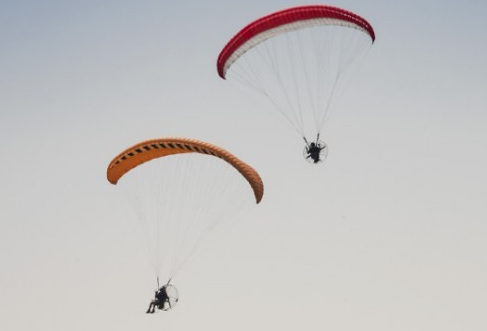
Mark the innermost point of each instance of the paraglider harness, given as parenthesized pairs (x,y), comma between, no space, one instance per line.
(314,149)
(160,299)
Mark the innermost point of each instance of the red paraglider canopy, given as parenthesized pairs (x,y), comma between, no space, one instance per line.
(288,19)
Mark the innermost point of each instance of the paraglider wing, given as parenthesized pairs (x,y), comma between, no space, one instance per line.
(156,148)
(283,21)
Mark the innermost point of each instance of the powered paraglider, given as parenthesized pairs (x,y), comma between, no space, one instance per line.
(181,191)
(299,59)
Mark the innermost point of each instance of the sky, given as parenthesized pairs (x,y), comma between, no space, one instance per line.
(389,233)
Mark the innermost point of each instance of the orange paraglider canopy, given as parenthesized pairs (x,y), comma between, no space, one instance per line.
(156,148)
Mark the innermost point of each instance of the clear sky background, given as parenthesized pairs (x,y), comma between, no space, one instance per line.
(389,233)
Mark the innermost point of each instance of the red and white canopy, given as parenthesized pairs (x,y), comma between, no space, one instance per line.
(291,19)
